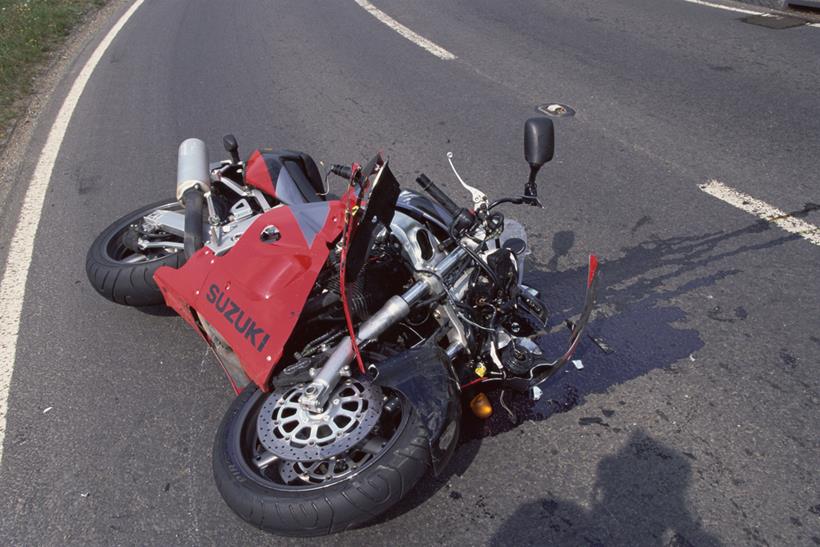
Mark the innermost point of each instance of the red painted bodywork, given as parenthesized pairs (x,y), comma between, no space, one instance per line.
(257,174)
(270,282)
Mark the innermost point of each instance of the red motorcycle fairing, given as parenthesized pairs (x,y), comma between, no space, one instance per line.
(253,295)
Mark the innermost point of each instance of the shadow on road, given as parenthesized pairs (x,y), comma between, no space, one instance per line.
(642,329)
(637,323)
(639,498)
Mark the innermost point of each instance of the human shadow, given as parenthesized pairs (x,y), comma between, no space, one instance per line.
(639,498)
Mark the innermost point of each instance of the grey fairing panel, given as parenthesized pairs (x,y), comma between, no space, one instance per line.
(424,376)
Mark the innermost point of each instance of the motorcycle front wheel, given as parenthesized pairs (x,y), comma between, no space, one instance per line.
(122,273)
(313,498)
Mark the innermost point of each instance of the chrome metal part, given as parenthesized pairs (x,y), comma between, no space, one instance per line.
(260,199)
(241,209)
(192,167)
(394,310)
(172,222)
(412,235)
(264,459)
(289,431)
(454,349)
(270,234)
(479,198)
(213,218)
(317,393)
(146,244)
(233,186)
(229,234)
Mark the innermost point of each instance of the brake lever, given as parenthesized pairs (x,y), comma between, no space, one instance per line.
(480,200)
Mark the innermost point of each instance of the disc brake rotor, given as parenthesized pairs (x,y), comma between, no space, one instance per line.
(293,433)
(325,470)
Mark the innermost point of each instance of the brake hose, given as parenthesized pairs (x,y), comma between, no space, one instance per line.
(343,268)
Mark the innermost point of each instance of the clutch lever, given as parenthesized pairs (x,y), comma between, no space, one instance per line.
(480,200)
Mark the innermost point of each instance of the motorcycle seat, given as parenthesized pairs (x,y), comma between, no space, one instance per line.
(292,177)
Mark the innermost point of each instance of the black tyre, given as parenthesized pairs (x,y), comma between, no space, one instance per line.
(263,498)
(122,273)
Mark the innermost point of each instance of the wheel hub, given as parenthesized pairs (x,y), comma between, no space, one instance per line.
(293,433)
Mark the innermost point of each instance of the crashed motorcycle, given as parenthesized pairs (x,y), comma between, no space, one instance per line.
(354,329)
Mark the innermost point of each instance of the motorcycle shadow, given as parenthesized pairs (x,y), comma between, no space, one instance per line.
(635,329)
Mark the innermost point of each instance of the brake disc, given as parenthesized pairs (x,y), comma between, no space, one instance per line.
(325,470)
(293,433)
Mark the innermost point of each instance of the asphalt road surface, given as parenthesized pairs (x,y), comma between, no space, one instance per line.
(700,427)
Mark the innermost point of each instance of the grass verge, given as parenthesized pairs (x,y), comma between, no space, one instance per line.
(29,30)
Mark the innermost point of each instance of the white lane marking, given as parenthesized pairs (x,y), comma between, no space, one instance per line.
(417,39)
(18,262)
(762,210)
(741,10)
(724,7)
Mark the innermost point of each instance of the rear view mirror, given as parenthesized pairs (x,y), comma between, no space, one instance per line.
(539,142)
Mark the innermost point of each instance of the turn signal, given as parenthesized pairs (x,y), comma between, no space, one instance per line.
(481,407)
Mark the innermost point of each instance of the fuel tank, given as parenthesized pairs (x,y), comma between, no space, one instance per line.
(252,295)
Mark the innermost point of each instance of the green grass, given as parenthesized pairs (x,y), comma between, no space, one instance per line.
(28,31)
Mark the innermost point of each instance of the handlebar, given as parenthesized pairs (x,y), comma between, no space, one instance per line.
(343,171)
(437,194)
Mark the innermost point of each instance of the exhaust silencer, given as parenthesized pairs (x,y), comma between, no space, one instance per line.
(192,167)
(193,182)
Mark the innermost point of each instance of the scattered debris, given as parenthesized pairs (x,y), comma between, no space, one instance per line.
(578,364)
(85,494)
(47,410)
(691,357)
(603,346)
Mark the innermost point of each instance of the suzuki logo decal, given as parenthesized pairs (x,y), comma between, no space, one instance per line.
(236,316)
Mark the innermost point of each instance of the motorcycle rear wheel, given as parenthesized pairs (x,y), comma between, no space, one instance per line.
(122,275)
(314,509)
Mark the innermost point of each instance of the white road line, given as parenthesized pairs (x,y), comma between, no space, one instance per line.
(417,39)
(18,262)
(763,210)
(724,7)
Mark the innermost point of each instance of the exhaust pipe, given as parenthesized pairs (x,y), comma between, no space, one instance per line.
(193,182)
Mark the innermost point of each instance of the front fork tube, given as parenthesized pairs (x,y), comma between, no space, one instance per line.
(318,391)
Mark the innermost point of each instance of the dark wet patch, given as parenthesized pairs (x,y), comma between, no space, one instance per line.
(787,358)
(455,495)
(741,313)
(641,221)
(715,314)
(549,506)
(774,22)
